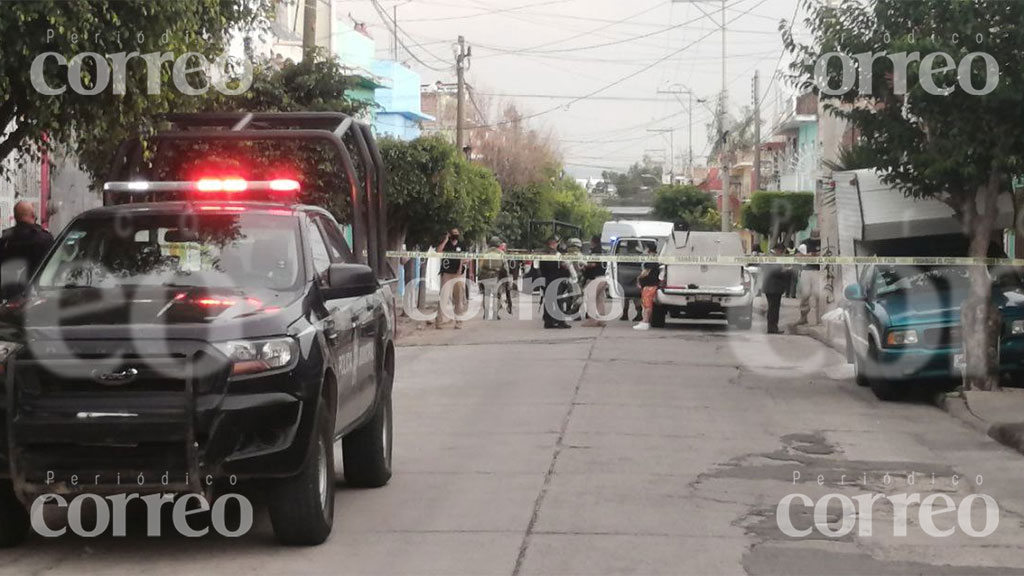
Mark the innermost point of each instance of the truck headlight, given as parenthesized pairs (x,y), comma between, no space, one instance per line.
(898,338)
(255,356)
(7,349)
(1017,328)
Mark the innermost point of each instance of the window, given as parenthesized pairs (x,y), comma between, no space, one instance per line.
(318,250)
(337,248)
(213,251)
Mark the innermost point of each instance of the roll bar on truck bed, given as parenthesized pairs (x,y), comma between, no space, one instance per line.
(364,173)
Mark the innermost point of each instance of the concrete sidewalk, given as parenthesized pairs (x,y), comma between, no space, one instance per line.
(1000,415)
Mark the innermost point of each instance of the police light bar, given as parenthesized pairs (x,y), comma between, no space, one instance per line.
(204,185)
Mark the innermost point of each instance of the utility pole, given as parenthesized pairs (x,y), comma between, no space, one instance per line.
(757,131)
(677,90)
(723,133)
(394,20)
(464,53)
(727,178)
(308,27)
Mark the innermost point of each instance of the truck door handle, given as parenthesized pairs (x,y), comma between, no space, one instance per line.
(330,331)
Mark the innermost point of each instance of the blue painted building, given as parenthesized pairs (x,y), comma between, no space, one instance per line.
(399,115)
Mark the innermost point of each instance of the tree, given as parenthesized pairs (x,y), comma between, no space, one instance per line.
(778,215)
(517,155)
(534,187)
(432,187)
(317,83)
(93,125)
(642,175)
(942,130)
(571,204)
(685,204)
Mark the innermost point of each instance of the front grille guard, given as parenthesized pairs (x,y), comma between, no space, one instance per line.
(27,491)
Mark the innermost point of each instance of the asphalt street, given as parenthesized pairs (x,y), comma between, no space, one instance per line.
(522,451)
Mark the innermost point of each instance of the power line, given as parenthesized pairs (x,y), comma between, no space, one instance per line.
(598,29)
(486,13)
(566,97)
(782,54)
(605,44)
(632,74)
(386,19)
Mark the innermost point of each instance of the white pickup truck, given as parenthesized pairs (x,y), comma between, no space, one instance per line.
(705,291)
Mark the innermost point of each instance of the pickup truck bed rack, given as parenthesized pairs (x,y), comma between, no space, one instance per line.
(352,140)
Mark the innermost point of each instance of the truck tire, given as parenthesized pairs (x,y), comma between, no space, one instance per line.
(14,520)
(741,320)
(884,389)
(860,369)
(366,451)
(658,316)
(302,507)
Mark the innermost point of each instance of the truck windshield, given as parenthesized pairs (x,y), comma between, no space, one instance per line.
(192,250)
(917,278)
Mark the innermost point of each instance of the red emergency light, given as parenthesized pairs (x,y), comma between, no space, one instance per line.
(208,188)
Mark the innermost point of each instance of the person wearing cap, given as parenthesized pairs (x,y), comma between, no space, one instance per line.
(488,273)
(453,268)
(554,274)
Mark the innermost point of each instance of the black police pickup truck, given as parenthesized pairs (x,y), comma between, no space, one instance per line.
(192,334)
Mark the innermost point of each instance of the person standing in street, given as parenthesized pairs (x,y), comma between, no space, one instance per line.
(506,279)
(22,249)
(650,277)
(555,275)
(775,283)
(595,273)
(453,293)
(790,250)
(631,248)
(489,271)
(807,286)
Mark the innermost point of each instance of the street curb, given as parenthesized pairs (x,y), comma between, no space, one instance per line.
(1010,435)
(817,332)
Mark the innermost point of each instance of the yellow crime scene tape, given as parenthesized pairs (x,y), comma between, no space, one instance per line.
(724,260)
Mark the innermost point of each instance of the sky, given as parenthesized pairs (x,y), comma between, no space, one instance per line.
(590,71)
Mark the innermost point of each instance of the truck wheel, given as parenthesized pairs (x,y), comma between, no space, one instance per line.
(884,389)
(302,507)
(14,521)
(888,391)
(367,451)
(861,376)
(741,320)
(658,316)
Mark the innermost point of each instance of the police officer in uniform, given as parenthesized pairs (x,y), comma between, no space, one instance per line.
(22,249)
(553,272)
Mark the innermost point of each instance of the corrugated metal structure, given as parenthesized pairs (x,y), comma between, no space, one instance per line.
(877,219)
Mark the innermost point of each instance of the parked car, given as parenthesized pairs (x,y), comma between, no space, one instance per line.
(903,326)
(705,290)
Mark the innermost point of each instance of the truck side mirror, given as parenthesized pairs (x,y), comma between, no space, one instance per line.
(854,293)
(349,281)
